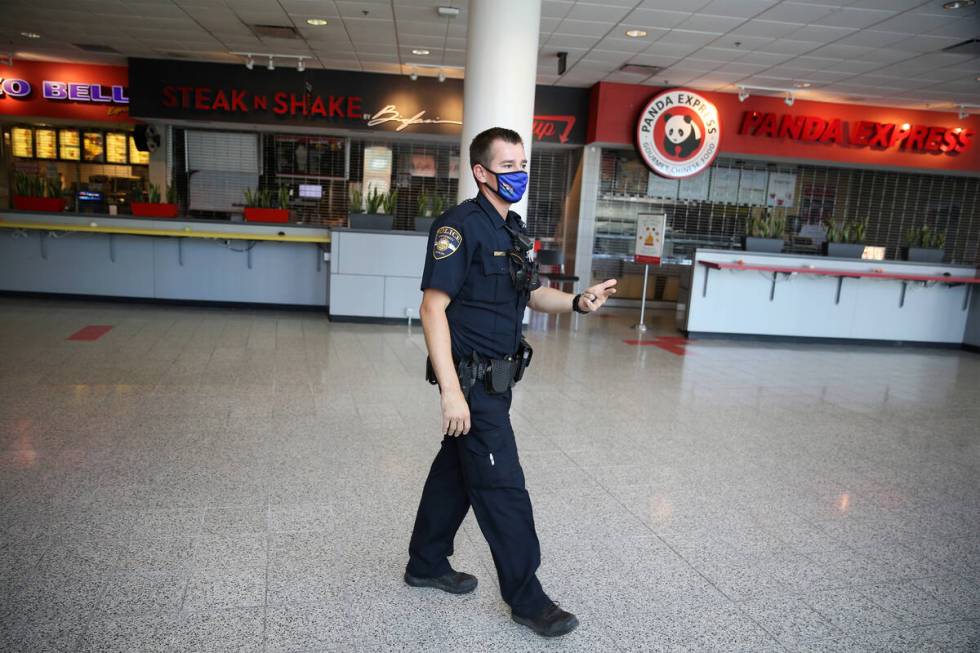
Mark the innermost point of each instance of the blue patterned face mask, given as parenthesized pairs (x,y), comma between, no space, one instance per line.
(510,185)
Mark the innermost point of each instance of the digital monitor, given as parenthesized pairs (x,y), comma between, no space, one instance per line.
(89,196)
(312,191)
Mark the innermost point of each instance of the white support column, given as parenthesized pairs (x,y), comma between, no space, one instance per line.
(501,72)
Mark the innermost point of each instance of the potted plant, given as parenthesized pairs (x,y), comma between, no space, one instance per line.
(429,208)
(924,245)
(845,239)
(37,193)
(764,233)
(150,205)
(266,206)
(379,213)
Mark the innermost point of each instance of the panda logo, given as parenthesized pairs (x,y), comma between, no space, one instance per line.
(678,133)
(682,136)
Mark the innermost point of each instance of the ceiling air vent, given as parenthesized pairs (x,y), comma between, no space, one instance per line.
(639,69)
(101,49)
(969,46)
(275,31)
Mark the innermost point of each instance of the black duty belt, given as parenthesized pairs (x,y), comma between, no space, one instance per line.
(497,374)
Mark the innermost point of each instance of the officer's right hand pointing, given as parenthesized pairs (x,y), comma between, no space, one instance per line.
(455,413)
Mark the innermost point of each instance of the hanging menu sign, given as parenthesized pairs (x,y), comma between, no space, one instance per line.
(69,144)
(22,142)
(94,149)
(137,157)
(115,147)
(47,143)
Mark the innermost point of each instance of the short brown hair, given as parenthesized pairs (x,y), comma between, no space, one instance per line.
(482,143)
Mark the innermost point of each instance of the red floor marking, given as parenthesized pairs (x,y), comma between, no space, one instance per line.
(91,332)
(672,344)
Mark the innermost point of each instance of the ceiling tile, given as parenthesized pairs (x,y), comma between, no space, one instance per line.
(570,40)
(927,43)
(873,38)
(796,12)
(913,22)
(790,46)
(683,37)
(374,10)
(768,58)
(741,9)
(707,23)
(671,49)
(766,28)
(820,34)
(556,8)
(655,18)
(627,45)
(584,27)
(597,12)
(850,17)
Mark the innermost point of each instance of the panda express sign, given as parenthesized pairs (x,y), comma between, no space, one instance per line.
(678,133)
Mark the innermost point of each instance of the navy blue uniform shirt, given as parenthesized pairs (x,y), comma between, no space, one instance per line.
(467,259)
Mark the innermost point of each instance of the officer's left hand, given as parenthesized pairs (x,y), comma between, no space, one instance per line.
(596,296)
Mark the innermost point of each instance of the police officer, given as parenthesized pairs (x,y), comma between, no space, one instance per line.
(477,281)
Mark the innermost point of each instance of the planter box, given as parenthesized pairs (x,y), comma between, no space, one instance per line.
(45,204)
(378,221)
(771,245)
(266,215)
(423,223)
(923,254)
(153,210)
(843,250)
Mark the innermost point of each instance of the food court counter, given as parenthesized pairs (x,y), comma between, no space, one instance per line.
(190,260)
(798,296)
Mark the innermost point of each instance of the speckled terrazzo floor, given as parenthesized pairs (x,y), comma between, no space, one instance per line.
(204,479)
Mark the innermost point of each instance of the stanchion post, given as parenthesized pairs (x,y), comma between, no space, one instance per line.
(642,326)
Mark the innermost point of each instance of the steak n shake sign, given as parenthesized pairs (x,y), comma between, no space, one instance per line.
(178,90)
(678,133)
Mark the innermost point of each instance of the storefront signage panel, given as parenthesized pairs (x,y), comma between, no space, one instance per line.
(863,133)
(818,132)
(363,101)
(61,90)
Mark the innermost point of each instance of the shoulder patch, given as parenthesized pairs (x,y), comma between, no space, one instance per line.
(447,242)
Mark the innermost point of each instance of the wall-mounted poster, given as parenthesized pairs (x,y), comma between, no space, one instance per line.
(752,187)
(695,187)
(377,169)
(782,189)
(661,187)
(817,202)
(454,167)
(47,143)
(724,186)
(422,165)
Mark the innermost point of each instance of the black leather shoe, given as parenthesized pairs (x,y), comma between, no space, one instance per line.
(550,622)
(455,582)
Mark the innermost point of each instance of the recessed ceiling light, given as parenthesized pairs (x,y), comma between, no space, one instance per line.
(959,4)
(420,52)
(905,126)
(802,84)
(31,35)
(635,33)
(316,22)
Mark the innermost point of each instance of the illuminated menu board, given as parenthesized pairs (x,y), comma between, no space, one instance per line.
(135,156)
(93,147)
(70,147)
(47,143)
(22,142)
(115,147)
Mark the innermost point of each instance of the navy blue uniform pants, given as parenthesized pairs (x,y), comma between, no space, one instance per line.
(481,469)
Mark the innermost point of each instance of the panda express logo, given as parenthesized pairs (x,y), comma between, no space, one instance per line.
(678,133)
